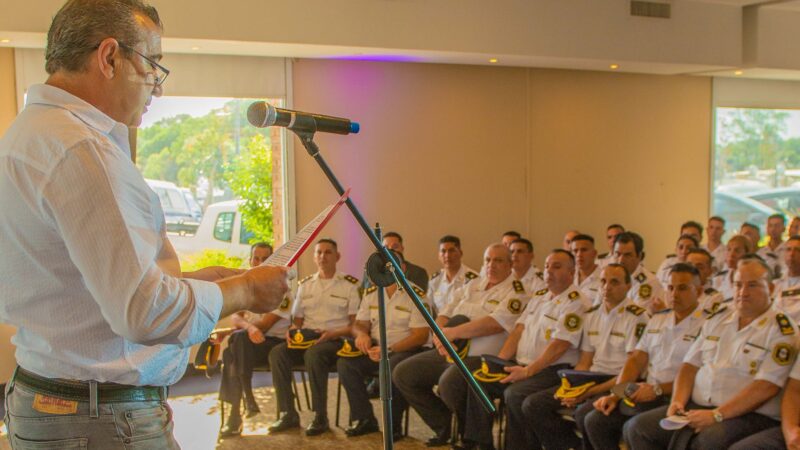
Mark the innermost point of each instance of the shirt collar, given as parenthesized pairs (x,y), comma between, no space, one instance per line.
(45,94)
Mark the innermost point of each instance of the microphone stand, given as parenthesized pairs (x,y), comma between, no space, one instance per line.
(307,139)
(384,371)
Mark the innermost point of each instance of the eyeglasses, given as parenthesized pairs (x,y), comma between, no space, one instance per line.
(161,71)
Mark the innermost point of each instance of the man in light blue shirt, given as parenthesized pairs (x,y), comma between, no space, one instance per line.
(89,278)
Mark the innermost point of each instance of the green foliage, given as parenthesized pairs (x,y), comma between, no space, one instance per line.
(753,138)
(250,178)
(208,258)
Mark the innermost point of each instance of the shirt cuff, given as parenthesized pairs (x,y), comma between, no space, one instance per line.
(208,301)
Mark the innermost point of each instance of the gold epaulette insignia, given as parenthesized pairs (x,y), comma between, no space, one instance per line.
(435,274)
(470,275)
(371,289)
(641,277)
(518,286)
(305,279)
(635,310)
(786,327)
(351,279)
(541,292)
(419,291)
(573,295)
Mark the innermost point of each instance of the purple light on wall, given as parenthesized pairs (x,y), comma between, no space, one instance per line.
(378,57)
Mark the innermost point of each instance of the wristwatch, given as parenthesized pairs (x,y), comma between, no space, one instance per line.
(657,389)
(717,415)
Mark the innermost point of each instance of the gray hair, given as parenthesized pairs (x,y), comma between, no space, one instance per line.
(80,25)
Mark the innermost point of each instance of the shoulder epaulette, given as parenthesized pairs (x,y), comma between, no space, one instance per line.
(305,279)
(721,272)
(351,279)
(791,292)
(419,291)
(541,292)
(710,291)
(471,276)
(787,329)
(518,287)
(772,255)
(663,311)
(602,256)
(635,310)
(371,289)
(435,274)
(573,295)
(540,275)
(594,308)
(641,277)
(717,312)
(671,255)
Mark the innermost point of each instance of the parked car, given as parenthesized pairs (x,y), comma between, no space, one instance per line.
(736,210)
(784,200)
(743,187)
(191,202)
(177,213)
(221,229)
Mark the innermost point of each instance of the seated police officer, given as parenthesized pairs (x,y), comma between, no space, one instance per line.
(727,387)
(406,333)
(248,346)
(492,305)
(787,289)
(522,265)
(659,354)
(701,259)
(737,247)
(326,304)
(610,332)
(587,271)
(684,243)
(611,235)
(453,275)
(545,339)
(645,289)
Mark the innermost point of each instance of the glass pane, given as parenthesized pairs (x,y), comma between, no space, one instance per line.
(223,230)
(757,166)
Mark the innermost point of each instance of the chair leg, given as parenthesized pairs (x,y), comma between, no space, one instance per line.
(501,422)
(296,394)
(221,414)
(338,399)
(305,389)
(406,420)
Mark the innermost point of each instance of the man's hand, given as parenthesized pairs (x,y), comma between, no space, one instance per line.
(255,335)
(575,401)
(374,353)
(676,408)
(363,343)
(645,393)
(792,437)
(449,333)
(267,287)
(213,273)
(700,419)
(606,404)
(217,336)
(438,345)
(515,373)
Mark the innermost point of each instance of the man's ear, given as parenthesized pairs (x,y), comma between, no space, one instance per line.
(105,57)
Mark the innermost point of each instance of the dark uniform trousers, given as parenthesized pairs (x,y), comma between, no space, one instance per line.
(415,378)
(354,371)
(769,439)
(541,412)
(319,360)
(644,431)
(456,393)
(519,434)
(238,361)
(603,432)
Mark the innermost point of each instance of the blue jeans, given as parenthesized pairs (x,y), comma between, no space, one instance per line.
(130,425)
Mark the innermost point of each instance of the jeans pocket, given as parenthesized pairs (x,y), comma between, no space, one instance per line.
(62,444)
(146,423)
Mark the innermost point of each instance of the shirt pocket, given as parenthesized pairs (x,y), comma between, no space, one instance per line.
(708,350)
(400,317)
(749,358)
(338,303)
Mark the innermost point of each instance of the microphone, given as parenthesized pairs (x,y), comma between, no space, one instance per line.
(262,114)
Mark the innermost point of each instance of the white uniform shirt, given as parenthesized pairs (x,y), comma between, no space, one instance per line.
(549,317)
(533,280)
(604,260)
(504,302)
(279,328)
(590,286)
(666,343)
(711,300)
(662,274)
(784,283)
(720,255)
(788,300)
(774,258)
(81,233)
(611,335)
(326,304)
(645,288)
(441,291)
(729,359)
(401,314)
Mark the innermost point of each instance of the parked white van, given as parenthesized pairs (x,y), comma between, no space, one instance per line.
(177,212)
(220,229)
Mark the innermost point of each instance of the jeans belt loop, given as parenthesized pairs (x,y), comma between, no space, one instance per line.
(163,392)
(94,407)
(12,380)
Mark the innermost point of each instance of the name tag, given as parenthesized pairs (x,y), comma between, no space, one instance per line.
(654,331)
(338,296)
(592,333)
(54,405)
(402,308)
(617,334)
(712,338)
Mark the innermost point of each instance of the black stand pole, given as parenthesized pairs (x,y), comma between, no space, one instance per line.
(385,372)
(307,138)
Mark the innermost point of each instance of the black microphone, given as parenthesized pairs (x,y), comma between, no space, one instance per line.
(262,114)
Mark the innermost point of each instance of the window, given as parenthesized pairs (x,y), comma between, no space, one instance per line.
(757,165)
(223,230)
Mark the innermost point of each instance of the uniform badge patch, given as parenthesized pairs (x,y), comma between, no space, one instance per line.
(645,291)
(515,306)
(783,354)
(783,322)
(572,322)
